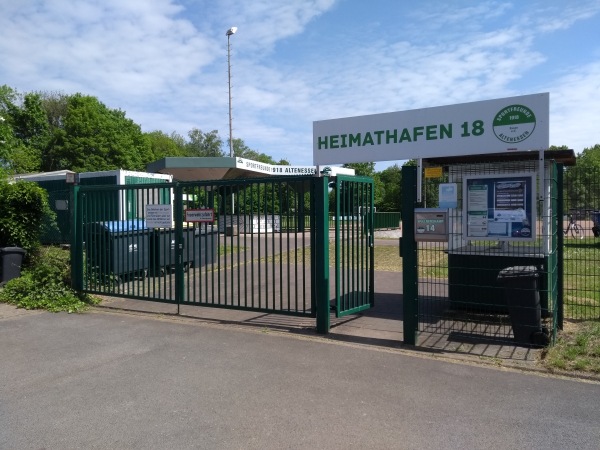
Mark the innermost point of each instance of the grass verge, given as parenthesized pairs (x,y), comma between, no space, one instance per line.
(577,349)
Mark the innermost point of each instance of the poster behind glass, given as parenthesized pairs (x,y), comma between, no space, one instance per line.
(499,207)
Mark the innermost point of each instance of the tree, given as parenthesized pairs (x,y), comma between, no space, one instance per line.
(24,207)
(366,169)
(390,181)
(582,188)
(94,138)
(23,131)
(56,107)
(204,144)
(241,150)
(162,145)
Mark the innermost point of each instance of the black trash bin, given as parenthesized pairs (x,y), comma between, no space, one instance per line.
(199,248)
(162,249)
(522,296)
(119,247)
(11,259)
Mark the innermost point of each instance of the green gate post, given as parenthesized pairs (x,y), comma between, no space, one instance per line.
(560,245)
(408,248)
(179,278)
(320,254)
(76,240)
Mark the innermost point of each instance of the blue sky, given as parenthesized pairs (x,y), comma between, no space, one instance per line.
(164,62)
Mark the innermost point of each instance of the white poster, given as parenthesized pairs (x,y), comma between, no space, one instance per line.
(159,216)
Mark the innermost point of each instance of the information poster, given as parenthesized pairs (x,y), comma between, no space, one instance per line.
(447,197)
(159,216)
(499,207)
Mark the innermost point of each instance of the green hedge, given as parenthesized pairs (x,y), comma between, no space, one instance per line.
(24,214)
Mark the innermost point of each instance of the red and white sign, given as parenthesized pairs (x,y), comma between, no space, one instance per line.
(200,215)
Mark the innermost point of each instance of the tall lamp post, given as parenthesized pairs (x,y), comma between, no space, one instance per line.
(230,33)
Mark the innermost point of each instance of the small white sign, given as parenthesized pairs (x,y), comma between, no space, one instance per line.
(159,216)
(448,197)
(200,215)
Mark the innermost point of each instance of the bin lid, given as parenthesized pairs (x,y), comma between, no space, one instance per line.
(121,226)
(518,271)
(12,250)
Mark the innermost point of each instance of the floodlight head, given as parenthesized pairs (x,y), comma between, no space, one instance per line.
(231,31)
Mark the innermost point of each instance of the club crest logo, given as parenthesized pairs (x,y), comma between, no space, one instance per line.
(514,124)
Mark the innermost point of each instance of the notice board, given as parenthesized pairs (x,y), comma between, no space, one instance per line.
(499,207)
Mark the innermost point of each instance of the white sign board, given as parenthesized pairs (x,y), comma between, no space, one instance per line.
(256,166)
(491,126)
(159,216)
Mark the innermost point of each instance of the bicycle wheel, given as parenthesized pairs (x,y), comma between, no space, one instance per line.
(577,231)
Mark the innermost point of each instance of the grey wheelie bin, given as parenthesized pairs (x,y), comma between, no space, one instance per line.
(199,248)
(11,259)
(118,247)
(522,295)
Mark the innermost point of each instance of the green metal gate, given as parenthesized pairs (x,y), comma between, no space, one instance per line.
(354,251)
(257,244)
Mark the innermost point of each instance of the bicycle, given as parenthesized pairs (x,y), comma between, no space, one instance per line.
(574,227)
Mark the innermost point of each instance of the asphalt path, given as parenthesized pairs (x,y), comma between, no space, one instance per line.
(110,380)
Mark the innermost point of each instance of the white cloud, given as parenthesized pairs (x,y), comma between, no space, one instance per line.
(262,23)
(574,106)
(164,62)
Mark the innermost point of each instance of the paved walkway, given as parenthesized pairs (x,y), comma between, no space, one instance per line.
(105,380)
(380,326)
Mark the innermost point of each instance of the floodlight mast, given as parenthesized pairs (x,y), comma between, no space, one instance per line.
(230,33)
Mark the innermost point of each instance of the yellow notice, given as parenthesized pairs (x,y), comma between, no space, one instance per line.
(433,172)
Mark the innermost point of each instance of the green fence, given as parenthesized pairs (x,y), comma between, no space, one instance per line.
(386,220)
(581,193)
(381,220)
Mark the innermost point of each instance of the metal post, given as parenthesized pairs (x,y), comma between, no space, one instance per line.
(178,219)
(409,255)
(230,33)
(76,240)
(320,254)
(229,89)
(560,244)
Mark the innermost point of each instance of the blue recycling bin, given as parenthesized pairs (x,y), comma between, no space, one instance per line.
(118,247)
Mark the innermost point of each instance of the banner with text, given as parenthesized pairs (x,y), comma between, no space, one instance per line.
(491,126)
